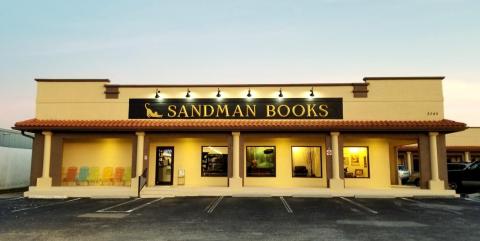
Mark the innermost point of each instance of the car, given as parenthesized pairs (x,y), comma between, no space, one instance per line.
(414,179)
(456,166)
(403,173)
(468,177)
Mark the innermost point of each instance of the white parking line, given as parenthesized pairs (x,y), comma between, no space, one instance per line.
(285,204)
(11,199)
(214,204)
(47,205)
(410,200)
(117,205)
(144,205)
(359,205)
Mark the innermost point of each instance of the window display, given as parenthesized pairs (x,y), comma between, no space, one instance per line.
(306,161)
(261,161)
(355,162)
(214,161)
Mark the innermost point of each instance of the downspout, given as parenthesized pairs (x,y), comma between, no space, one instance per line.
(28,136)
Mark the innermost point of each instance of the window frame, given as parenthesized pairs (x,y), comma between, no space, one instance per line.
(201,159)
(274,161)
(368,162)
(292,166)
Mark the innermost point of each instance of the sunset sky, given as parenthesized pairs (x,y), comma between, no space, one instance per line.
(270,41)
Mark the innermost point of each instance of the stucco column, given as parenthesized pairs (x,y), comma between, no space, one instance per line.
(435,182)
(235,181)
(140,141)
(336,182)
(409,162)
(468,158)
(46,180)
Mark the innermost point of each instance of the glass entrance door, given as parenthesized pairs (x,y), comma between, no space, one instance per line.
(164,165)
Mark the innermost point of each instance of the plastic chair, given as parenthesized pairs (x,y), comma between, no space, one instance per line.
(107,176)
(127,176)
(71,175)
(83,175)
(94,176)
(119,172)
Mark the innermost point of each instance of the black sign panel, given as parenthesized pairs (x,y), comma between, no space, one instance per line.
(236,108)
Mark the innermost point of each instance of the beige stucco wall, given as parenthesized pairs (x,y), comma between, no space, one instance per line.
(387,99)
(469,137)
(379,163)
(187,156)
(97,152)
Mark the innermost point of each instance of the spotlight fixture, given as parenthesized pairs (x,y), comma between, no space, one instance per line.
(218,93)
(188,94)
(311,93)
(157,94)
(280,95)
(249,94)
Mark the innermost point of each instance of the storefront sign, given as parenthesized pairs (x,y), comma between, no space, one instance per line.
(236,108)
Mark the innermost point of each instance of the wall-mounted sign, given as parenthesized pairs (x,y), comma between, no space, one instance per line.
(236,108)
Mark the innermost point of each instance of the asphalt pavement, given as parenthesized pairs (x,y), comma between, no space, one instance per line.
(239,218)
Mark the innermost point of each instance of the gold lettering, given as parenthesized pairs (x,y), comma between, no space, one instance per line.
(238,110)
(294,110)
(196,109)
(252,111)
(205,111)
(222,109)
(172,111)
(311,109)
(183,111)
(323,111)
(271,111)
(280,110)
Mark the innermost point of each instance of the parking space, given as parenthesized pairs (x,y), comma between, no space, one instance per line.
(235,218)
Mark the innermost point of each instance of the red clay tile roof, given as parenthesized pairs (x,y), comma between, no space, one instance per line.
(240,124)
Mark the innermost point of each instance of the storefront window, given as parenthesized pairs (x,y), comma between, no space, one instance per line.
(355,162)
(214,161)
(455,157)
(306,161)
(261,161)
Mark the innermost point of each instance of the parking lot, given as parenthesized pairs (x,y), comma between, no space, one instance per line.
(238,218)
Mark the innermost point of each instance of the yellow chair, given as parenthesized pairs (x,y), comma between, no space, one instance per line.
(107,176)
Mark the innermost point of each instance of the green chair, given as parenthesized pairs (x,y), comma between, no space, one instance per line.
(94,176)
(83,176)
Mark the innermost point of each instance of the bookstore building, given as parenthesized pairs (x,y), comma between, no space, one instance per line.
(93,138)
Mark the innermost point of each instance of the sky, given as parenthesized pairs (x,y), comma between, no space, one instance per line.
(268,41)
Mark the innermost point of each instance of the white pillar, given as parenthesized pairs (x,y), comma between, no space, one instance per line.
(410,162)
(235,181)
(46,180)
(468,158)
(435,182)
(140,141)
(336,182)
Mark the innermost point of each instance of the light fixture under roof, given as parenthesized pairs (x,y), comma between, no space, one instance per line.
(311,93)
(249,94)
(188,94)
(218,93)
(157,94)
(280,95)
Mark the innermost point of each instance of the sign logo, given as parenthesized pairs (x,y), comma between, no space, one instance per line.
(236,108)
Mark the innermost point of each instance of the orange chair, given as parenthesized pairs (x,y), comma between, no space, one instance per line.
(117,179)
(70,176)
